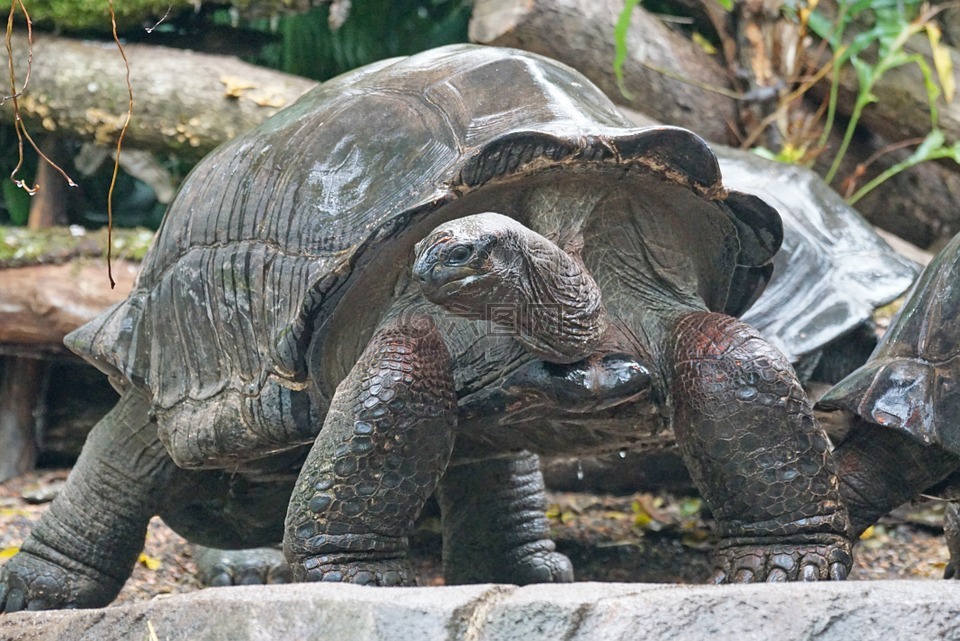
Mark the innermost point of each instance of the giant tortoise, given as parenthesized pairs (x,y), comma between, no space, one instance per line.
(413,280)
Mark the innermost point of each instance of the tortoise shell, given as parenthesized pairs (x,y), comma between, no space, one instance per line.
(306,224)
(912,380)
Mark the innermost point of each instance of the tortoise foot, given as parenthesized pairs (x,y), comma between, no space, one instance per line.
(389,572)
(28,582)
(828,560)
(950,571)
(543,567)
(256,566)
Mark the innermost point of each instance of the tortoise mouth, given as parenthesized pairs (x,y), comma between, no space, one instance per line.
(450,285)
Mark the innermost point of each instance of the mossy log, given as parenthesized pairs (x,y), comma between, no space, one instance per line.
(94,15)
(184,102)
(53,280)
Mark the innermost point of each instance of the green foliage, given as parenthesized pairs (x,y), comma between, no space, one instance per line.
(94,15)
(872,53)
(879,46)
(374,30)
(620,40)
(16,203)
(933,147)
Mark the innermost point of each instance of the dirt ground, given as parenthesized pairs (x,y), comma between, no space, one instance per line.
(638,538)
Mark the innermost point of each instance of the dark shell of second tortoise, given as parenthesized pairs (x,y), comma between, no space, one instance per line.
(912,380)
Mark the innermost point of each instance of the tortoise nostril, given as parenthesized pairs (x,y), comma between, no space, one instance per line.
(421,275)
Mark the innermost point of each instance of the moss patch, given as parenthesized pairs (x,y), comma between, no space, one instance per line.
(94,15)
(20,246)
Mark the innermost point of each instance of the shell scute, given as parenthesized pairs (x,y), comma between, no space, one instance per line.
(912,380)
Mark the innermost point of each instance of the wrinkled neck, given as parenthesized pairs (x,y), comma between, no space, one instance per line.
(558,312)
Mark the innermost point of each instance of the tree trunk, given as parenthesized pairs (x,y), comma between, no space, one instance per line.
(20,396)
(48,207)
(41,303)
(183,101)
(581,34)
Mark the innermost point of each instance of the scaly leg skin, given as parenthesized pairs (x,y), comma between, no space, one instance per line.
(758,456)
(253,566)
(83,549)
(494,524)
(384,445)
(881,468)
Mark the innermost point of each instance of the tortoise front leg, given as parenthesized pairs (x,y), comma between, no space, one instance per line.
(83,549)
(495,529)
(756,452)
(384,445)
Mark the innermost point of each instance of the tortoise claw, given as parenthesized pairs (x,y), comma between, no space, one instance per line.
(777,575)
(839,572)
(390,572)
(814,561)
(257,566)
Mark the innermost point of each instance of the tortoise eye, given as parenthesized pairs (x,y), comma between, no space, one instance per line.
(459,255)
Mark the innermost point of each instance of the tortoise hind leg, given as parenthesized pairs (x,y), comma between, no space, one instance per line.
(85,545)
(494,524)
(385,443)
(951,532)
(757,454)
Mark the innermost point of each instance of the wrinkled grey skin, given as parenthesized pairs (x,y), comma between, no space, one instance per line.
(308,354)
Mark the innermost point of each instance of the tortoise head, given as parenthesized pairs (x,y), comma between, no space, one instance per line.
(471,262)
(490,267)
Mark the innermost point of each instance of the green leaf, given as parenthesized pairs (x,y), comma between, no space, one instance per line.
(620,39)
(932,143)
(822,27)
(865,76)
(941,61)
(726,4)
(17,203)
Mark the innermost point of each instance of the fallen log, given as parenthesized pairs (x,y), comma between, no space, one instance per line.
(39,304)
(184,102)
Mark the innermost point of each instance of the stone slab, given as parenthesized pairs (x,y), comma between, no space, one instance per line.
(861,610)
